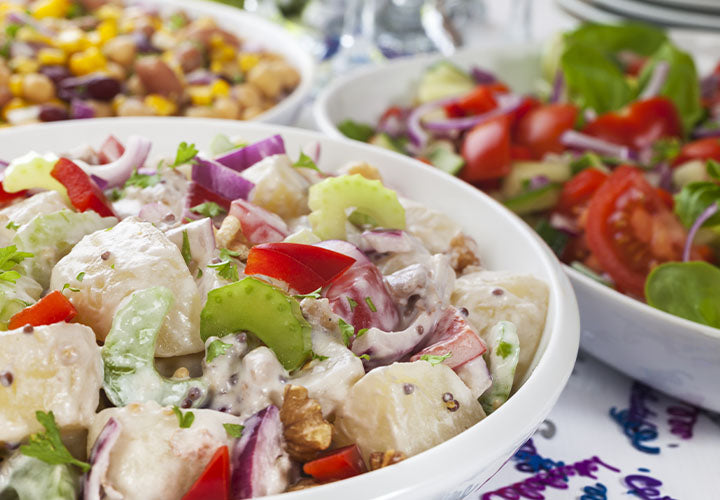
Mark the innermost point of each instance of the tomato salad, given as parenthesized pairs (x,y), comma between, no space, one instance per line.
(255,325)
(616,168)
(68,59)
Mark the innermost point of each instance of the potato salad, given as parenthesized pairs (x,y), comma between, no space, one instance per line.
(237,323)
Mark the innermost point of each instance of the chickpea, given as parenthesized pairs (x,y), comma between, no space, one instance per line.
(121,50)
(135,86)
(38,88)
(116,71)
(201,112)
(134,107)
(102,109)
(251,112)
(287,74)
(247,95)
(264,76)
(227,108)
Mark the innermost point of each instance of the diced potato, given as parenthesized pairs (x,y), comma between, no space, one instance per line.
(155,459)
(278,187)
(493,296)
(132,256)
(22,212)
(436,230)
(407,407)
(53,368)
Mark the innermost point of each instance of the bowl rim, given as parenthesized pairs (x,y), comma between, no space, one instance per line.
(322,118)
(535,398)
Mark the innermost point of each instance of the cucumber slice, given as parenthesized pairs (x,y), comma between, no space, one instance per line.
(330,199)
(691,171)
(502,358)
(515,183)
(445,159)
(535,201)
(385,141)
(443,79)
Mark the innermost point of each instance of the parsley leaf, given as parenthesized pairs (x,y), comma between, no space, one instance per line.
(319,357)
(226,253)
(305,162)
(67,286)
(185,153)
(208,209)
(358,131)
(9,258)
(352,303)
(142,180)
(370,304)
(215,349)
(227,270)
(347,331)
(185,251)
(48,446)
(435,360)
(12,226)
(361,332)
(80,276)
(185,420)
(365,357)
(312,295)
(234,430)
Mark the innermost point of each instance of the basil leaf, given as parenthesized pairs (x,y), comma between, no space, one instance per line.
(358,131)
(690,290)
(641,39)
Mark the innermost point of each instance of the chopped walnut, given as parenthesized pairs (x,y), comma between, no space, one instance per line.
(365,169)
(380,459)
(306,431)
(463,252)
(303,484)
(230,236)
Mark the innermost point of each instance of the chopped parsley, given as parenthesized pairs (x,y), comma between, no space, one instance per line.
(216,348)
(312,295)
(234,430)
(435,360)
(361,332)
(142,180)
(227,268)
(365,357)
(185,251)
(80,276)
(352,303)
(199,273)
(319,357)
(185,420)
(208,209)
(305,162)
(347,331)
(370,304)
(48,446)
(504,349)
(9,258)
(226,253)
(665,150)
(12,226)
(185,153)
(12,29)
(67,286)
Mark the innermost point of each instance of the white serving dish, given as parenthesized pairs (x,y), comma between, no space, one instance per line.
(459,466)
(671,354)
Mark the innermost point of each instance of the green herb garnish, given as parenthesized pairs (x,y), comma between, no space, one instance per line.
(48,446)
(185,420)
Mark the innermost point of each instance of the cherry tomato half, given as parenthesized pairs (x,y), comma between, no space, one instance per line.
(486,150)
(578,190)
(540,128)
(702,149)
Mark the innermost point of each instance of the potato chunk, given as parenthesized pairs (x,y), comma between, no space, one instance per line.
(155,459)
(407,407)
(48,368)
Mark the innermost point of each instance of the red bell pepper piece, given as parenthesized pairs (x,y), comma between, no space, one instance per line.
(84,194)
(198,194)
(53,308)
(111,150)
(6,197)
(337,464)
(304,267)
(478,101)
(214,482)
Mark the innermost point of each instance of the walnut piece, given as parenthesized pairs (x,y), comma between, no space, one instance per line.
(463,252)
(306,431)
(303,484)
(230,236)
(380,459)
(365,169)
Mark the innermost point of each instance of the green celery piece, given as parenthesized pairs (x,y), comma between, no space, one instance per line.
(16,296)
(502,358)
(264,310)
(33,171)
(27,478)
(129,354)
(690,290)
(329,199)
(51,236)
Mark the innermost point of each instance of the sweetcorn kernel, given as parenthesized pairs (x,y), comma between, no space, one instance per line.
(28,34)
(223,53)
(248,61)
(161,105)
(220,88)
(48,56)
(88,61)
(50,8)
(72,40)
(107,30)
(201,95)
(16,85)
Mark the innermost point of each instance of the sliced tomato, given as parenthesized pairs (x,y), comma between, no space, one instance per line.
(53,308)
(486,150)
(84,194)
(526,105)
(578,190)
(214,482)
(702,149)
(480,100)
(111,150)
(638,125)
(338,464)
(540,128)
(520,153)
(258,225)
(630,229)
(304,267)
(455,336)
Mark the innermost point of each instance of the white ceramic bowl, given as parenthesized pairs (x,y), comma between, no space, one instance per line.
(671,354)
(456,467)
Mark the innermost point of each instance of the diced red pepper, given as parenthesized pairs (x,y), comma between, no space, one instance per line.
(111,150)
(480,100)
(6,197)
(214,482)
(53,308)
(304,267)
(338,464)
(84,194)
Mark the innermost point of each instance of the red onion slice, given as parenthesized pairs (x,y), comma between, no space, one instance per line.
(100,460)
(223,181)
(702,218)
(584,142)
(506,104)
(482,76)
(345,248)
(558,88)
(313,150)
(657,80)
(117,172)
(565,224)
(417,135)
(243,158)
